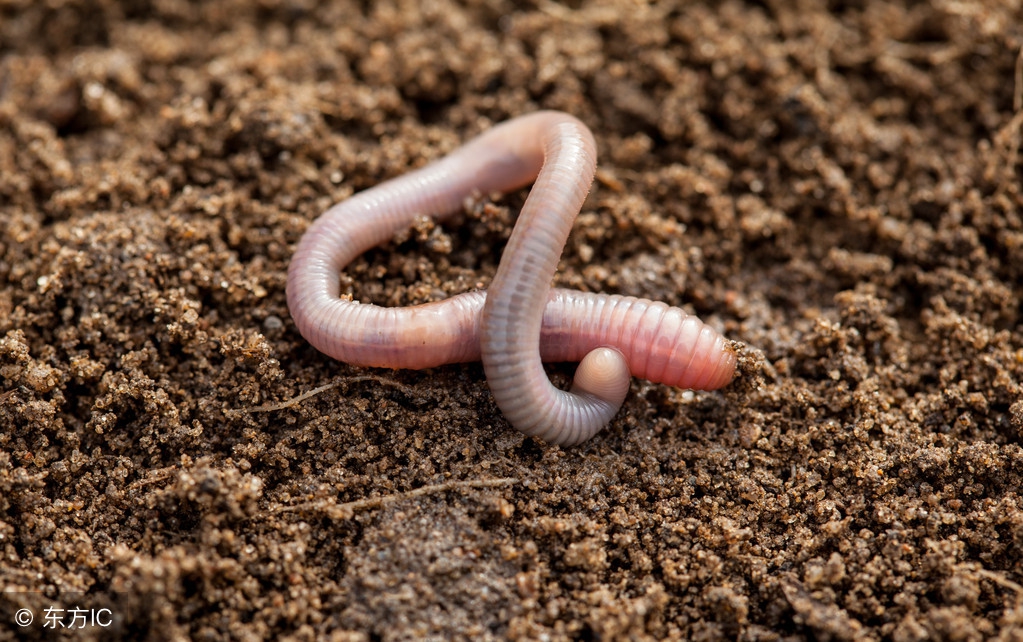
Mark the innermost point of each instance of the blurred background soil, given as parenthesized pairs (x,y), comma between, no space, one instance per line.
(835,184)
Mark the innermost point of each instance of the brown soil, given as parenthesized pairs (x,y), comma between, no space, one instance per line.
(835,184)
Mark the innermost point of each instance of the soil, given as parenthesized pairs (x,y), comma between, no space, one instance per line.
(836,185)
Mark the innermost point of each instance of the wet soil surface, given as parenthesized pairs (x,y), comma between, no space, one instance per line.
(836,185)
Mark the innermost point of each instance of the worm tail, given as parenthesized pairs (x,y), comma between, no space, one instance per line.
(661,343)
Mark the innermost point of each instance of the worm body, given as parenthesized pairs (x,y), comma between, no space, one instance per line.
(521,320)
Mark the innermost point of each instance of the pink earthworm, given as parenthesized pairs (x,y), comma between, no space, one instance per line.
(520,320)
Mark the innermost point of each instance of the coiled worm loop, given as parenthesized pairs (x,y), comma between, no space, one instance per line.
(520,320)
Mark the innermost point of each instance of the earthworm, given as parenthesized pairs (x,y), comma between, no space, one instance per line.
(520,320)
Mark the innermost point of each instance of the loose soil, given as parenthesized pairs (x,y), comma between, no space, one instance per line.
(836,185)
